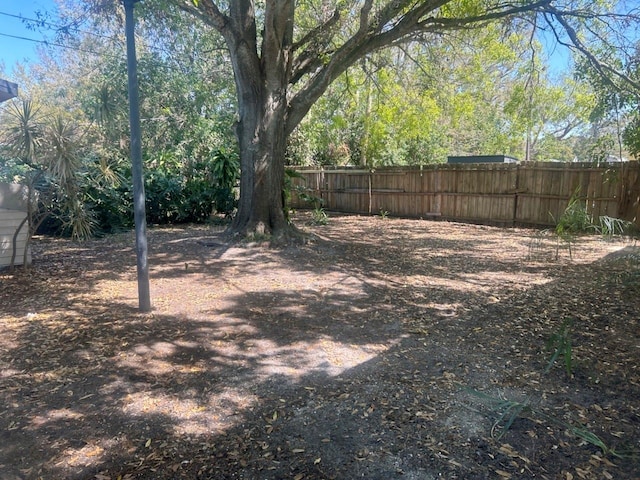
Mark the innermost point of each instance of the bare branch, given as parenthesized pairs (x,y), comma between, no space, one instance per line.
(207,11)
(442,23)
(318,33)
(604,69)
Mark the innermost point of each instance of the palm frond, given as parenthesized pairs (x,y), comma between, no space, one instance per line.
(24,133)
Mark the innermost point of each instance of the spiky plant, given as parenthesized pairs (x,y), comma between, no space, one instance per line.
(508,411)
(23,135)
(47,147)
(560,344)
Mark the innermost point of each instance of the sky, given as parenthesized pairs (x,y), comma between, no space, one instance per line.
(13,50)
(22,49)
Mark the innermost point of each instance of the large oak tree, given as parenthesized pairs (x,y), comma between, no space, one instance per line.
(285,53)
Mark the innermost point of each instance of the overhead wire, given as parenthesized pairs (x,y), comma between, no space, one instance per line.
(52,26)
(52,44)
(62,28)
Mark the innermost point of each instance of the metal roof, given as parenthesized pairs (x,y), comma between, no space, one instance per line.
(8,90)
(481,159)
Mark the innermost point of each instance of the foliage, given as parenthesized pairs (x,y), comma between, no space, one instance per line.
(600,148)
(225,174)
(404,85)
(617,100)
(23,135)
(186,114)
(42,152)
(560,344)
(508,411)
(415,105)
(574,219)
(319,217)
(190,190)
(610,226)
(304,193)
(302,51)
(419,103)
(109,195)
(288,187)
(631,136)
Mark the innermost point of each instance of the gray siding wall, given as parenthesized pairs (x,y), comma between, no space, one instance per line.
(13,210)
(9,222)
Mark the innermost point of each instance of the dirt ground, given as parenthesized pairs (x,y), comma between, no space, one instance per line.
(382,349)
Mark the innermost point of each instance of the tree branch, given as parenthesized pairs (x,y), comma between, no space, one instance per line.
(320,32)
(604,69)
(443,23)
(207,11)
(364,16)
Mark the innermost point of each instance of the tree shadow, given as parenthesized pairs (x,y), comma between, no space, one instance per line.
(349,367)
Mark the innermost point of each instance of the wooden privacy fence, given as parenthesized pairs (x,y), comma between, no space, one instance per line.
(532,193)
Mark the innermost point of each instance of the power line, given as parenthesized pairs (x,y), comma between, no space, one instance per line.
(53,26)
(52,44)
(83,50)
(66,28)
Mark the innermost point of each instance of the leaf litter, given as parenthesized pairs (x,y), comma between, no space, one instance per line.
(347,357)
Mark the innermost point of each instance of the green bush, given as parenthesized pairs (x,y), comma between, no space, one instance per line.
(225,172)
(164,197)
(177,190)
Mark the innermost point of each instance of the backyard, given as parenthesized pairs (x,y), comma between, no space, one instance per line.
(383,348)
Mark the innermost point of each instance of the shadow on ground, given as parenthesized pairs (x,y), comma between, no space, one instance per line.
(350,357)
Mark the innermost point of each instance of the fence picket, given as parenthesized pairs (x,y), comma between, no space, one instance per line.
(532,193)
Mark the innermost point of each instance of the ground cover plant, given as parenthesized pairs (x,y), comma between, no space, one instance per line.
(383,348)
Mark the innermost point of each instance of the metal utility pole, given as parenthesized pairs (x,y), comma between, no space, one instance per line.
(144,298)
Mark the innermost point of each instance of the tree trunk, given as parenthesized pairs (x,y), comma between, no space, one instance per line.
(261,85)
(262,141)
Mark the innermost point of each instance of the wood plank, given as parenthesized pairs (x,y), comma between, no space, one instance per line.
(529,193)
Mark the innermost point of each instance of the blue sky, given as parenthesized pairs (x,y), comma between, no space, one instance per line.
(13,50)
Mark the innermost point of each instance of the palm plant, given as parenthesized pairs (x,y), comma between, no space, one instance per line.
(62,156)
(24,134)
(49,153)
(64,165)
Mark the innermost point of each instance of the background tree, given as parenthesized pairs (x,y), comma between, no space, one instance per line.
(187,106)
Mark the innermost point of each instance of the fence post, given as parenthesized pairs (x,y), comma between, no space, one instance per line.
(370,191)
(515,196)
